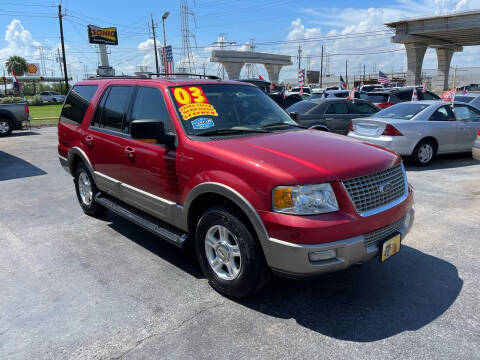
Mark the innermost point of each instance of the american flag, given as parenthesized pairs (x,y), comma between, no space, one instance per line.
(301,77)
(383,79)
(167,60)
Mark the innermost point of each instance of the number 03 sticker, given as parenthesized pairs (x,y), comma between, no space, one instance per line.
(192,102)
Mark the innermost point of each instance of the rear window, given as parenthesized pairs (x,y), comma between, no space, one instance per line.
(377,98)
(403,111)
(465,99)
(76,103)
(302,106)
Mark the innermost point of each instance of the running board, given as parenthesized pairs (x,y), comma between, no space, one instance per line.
(142,219)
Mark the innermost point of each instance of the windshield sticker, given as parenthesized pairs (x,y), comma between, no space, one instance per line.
(192,102)
(202,123)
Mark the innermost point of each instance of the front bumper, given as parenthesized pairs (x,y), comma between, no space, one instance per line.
(400,144)
(293,259)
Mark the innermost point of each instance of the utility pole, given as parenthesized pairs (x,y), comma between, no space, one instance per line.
(155,46)
(321,68)
(60,16)
(299,56)
(346,72)
(363,72)
(164,51)
(60,64)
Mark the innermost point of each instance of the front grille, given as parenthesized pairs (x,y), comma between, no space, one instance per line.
(384,233)
(366,191)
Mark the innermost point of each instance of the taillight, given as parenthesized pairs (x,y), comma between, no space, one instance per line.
(351,126)
(384,105)
(391,130)
(478,132)
(27,110)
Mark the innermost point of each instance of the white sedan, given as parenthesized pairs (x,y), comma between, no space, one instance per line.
(421,129)
(51,96)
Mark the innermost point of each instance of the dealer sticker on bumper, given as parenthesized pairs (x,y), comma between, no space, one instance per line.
(390,247)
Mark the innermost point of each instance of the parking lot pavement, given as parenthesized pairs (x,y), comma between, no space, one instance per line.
(73,286)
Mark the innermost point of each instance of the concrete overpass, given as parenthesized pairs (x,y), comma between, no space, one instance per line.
(446,33)
(233,62)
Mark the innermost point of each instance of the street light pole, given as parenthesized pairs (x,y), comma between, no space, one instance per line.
(164,51)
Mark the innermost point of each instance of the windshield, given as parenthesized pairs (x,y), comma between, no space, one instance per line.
(465,99)
(212,107)
(403,111)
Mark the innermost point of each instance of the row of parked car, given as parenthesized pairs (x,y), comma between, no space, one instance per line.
(419,129)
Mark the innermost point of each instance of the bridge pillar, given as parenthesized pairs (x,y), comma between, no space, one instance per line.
(233,69)
(444,56)
(273,71)
(415,55)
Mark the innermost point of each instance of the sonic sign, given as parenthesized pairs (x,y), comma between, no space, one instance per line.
(106,36)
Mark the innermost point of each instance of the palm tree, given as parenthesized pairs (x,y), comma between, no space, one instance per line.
(16,64)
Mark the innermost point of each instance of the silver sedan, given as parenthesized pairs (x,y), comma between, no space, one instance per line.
(421,129)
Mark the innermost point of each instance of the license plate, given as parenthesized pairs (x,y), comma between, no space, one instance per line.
(390,247)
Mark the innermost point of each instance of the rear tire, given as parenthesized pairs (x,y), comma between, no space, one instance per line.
(6,127)
(424,152)
(229,254)
(86,191)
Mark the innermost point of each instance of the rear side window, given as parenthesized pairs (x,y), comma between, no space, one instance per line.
(150,105)
(465,99)
(377,98)
(428,96)
(110,113)
(337,108)
(362,108)
(404,95)
(76,103)
(442,114)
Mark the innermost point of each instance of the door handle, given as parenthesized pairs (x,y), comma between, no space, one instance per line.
(89,141)
(130,152)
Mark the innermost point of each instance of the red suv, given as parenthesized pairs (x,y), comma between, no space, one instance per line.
(217,164)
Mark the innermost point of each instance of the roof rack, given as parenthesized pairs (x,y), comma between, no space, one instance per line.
(212,77)
(118,77)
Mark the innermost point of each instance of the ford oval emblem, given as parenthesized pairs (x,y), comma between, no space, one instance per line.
(385,188)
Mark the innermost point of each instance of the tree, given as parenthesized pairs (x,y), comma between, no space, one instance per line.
(16,64)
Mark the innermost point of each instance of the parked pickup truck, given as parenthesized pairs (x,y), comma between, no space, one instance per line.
(219,166)
(12,117)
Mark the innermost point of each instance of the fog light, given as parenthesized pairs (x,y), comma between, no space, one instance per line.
(322,255)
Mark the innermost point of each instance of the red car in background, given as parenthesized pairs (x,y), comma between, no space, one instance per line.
(217,164)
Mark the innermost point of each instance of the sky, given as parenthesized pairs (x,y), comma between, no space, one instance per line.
(349,30)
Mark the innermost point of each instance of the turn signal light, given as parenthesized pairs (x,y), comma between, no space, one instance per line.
(391,130)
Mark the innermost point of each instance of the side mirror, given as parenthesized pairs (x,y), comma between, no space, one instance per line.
(148,130)
(295,116)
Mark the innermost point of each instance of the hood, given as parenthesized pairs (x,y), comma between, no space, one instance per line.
(306,156)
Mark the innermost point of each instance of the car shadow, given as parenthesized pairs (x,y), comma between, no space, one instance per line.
(12,167)
(182,259)
(365,303)
(23,133)
(369,302)
(445,161)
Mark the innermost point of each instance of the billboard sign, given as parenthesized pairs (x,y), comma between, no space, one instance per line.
(313,76)
(106,36)
(32,70)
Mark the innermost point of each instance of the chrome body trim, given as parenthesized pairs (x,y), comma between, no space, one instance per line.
(77,151)
(64,162)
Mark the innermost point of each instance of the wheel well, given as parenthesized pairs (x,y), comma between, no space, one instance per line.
(432,139)
(319,127)
(76,159)
(208,200)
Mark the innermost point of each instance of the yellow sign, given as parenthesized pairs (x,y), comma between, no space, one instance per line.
(192,102)
(32,70)
(107,36)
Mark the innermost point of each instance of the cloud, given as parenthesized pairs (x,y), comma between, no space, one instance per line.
(19,42)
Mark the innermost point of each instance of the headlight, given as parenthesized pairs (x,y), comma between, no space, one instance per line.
(304,199)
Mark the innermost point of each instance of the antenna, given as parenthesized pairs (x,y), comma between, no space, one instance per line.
(187,64)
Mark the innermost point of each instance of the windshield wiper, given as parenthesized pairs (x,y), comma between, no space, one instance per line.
(231,131)
(282,124)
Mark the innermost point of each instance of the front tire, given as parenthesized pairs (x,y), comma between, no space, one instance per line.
(86,191)
(5,127)
(229,255)
(424,152)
